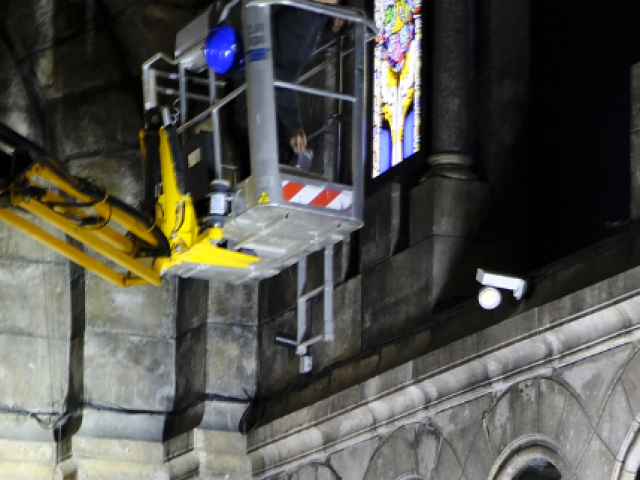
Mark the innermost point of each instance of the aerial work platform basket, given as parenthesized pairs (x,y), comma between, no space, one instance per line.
(279,214)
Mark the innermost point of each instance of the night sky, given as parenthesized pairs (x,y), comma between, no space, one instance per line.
(581,54)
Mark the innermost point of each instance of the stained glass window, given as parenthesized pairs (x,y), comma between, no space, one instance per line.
(397,82)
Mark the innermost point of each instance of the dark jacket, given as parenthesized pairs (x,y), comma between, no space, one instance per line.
(296,34)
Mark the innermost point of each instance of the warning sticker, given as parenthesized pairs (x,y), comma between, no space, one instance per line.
(264,198)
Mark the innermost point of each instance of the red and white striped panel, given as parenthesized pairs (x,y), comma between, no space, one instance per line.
(295,192)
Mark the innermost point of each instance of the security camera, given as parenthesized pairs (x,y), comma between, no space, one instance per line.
(489,296)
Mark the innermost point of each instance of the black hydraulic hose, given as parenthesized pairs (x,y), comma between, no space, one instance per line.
(14,139)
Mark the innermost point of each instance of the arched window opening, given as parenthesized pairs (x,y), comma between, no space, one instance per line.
(539,469)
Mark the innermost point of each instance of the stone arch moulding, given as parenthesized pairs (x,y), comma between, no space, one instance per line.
(523,451)
(411,452)
(628,459)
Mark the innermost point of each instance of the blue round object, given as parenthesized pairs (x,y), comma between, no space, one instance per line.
(223,49)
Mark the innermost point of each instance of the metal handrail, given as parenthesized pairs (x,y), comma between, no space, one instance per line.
(346,13)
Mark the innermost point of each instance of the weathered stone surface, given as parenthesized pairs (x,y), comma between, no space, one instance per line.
(34,372)
(460,425)
(396,457)
(592,380)
(553,398)
(352,462)
(346,324)
(400,292)
(501,20)
(35,25)
(232,360)
(149,28)
(631,381)
(447,206)
(129,371)
(635,100)
(314,472)
(574,431)
(193,299)
(448,465)
(635,172)
(35,299)
(12,94)
(191,366)
(477,465)
(277,294)
(18,246)
(616,419)
(119,174)
(385,230)
(279,365)
(81,63)
(233,304)
(597,461)
(85,126)
(144,310)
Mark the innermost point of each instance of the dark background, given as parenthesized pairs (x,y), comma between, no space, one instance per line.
(581,54)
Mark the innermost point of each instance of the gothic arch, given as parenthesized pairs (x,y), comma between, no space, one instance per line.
(315,471)
(523,452)
(412,452)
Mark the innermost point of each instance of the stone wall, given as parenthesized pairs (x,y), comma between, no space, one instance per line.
(544,385)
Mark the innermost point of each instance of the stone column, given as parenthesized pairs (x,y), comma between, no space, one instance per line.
(451,63)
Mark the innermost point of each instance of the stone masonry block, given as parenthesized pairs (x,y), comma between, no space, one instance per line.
(143,310)
(346,323)
(277,294)
(148,28)
(85,62)
(85,126)
(401,292)
(36,24)
(129,371)
(12,94)
(635,173)
(34,372)
(505,33)
(233,304)
(231,359)
(193,298)
(191,366)
(35,299)
(505,98)
(119,174)
(635,98)
(15,245)
(446,206)
(385,227)
(279,366)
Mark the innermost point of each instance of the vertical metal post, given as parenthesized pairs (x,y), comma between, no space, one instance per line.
(359,119)
(182,89)
(150,95)
(338,165)
(302,300)
(215,127)
(328,293)
(261,108)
